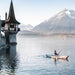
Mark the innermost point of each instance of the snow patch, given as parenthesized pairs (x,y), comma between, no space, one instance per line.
(68,12)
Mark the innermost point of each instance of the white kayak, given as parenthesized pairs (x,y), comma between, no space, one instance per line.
(59,57)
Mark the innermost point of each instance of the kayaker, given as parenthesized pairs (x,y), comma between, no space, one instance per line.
(55,53)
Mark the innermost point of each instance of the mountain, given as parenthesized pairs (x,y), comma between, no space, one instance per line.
(61,23)
(26,27)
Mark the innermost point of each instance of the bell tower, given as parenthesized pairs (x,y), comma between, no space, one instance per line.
(11,26)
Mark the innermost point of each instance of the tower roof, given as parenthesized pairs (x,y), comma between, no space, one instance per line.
(11,16)
(11,11)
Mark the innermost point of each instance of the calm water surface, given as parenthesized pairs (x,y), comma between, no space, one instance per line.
(30,57)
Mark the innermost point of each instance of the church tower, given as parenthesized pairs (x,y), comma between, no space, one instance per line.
(11,26)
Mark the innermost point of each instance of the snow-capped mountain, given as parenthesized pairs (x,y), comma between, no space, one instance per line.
(63,22)
(26,27)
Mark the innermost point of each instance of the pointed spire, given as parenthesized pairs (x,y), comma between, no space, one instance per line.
(11,17)
(11,11)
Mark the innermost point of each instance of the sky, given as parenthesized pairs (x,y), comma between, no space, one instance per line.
(35,11)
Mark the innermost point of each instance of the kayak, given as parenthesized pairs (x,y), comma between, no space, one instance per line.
(57,57)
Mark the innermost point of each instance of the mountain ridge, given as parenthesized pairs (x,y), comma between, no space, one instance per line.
(62,22)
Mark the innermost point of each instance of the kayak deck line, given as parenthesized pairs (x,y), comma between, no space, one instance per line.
(57,57)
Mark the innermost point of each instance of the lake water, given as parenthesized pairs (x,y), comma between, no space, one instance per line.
(29,56)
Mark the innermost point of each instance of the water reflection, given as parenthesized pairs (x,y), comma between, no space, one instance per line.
(8,61)
(55,60)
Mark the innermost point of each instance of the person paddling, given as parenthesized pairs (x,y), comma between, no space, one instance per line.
(55,53)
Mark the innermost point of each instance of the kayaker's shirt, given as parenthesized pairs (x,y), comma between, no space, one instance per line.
(55,53)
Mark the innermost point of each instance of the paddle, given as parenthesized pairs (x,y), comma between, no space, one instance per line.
(59,52)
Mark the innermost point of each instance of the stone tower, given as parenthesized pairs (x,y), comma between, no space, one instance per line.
(11,26)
